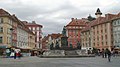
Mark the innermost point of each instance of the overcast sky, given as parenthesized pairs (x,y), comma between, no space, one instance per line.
(55,14)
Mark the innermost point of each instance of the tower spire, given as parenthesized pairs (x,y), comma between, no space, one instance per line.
(98,13)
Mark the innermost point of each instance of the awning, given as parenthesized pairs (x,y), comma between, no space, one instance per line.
(3,46)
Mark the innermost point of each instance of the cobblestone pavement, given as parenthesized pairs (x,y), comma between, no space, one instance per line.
(59,62)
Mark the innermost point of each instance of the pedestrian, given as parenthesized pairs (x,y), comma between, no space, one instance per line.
(103,53)
(113,53)
(108,54)
(18,55)
(14,54)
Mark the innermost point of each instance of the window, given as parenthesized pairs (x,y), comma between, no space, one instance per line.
(97,37)
(106,43)
(101,25)
(33,28)
(97,32)
(105,31)
(105,25)
(8,30)
(97,44)
(94,44)
(106,37)
(69,27)
(38,28)
(101,31)
(76,27)
(102,37)
(1,29)
(1,39)
(10,21)
(1,20)
(118,22)
(102,43)
(97,27)
(30,28)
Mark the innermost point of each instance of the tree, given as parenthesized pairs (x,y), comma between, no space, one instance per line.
(51,46)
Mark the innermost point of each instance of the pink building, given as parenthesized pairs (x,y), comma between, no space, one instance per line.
(74,31)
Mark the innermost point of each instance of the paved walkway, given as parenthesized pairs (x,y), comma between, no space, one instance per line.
(59,62)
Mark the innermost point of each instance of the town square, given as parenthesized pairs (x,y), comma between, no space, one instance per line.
(59,62)
(59,33)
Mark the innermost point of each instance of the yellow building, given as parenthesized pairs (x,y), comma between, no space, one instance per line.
(5,28)
(14,33)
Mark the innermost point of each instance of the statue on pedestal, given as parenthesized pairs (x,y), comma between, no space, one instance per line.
(64,31)
(64,42)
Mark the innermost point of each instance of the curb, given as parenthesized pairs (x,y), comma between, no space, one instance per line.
(71,56)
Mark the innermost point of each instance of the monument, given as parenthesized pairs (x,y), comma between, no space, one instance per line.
(64,42)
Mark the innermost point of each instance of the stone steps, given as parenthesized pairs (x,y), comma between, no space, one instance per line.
(69,53)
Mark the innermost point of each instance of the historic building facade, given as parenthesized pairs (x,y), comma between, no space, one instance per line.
(98,33)
(86,38)
(5,29)
(36,29)
(116,32)
(54,39)
(13,32)
(73,31)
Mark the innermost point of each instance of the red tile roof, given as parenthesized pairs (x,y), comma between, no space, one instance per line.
(87,28)
(4,13)
(13,17)
(33,23)
(45,38)
(97,21)
(77,22)
(100,20)
(55,36)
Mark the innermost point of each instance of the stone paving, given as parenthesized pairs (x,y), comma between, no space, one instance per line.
(59,62)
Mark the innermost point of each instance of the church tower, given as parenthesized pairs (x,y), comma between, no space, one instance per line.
(98,13)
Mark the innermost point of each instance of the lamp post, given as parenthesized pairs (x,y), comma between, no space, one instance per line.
(11,29)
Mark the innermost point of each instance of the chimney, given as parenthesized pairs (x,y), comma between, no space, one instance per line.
(72,19)
(76,19)
(13,14)
(33,22)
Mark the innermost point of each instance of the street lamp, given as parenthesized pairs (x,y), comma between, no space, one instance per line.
(11,29)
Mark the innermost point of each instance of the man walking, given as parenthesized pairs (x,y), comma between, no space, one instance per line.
(103,52)
(108,54)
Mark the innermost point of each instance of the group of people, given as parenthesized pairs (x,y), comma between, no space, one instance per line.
(13,53)
(106,54)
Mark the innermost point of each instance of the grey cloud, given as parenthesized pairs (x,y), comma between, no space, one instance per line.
(45,15)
